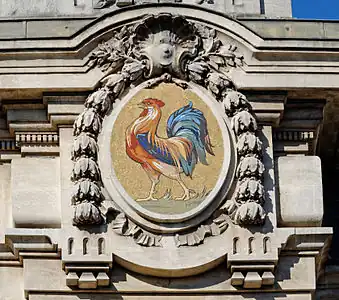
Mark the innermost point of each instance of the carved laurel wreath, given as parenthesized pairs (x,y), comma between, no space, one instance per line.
(167,48)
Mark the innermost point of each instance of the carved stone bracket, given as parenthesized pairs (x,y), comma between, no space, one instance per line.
(168,49)
(87,277)
(260,275)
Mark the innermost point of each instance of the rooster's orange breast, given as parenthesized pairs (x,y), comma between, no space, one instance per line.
(135,151)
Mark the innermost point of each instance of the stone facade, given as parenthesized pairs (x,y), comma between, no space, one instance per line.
(94,206)
(95,8)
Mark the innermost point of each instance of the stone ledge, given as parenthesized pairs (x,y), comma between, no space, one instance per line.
(65,27)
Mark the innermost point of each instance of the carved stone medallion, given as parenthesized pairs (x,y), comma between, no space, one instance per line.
(162,141)
(170,154)
(167,152)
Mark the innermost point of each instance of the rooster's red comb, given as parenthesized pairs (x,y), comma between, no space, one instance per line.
(151,101)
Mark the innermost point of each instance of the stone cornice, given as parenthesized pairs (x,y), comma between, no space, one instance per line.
(298,58)
(298,129)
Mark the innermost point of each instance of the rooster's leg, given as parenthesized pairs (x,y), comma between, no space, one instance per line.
(154,177)
(187,191)
(150,196)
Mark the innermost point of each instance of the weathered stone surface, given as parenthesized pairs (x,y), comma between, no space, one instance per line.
(272,8)
(54,28)
(87,281)
(237,279)
(47,276)
(10,30)
(35,192)
(41,273)
(47,8)
(103,279)
(262,296)
(35,115)
(72,279)
(300,190)
(286,29)
(6,218)
(29,8)
(266,28)
(252,281)
(66,165)
(267,278)
(11,283)
(292,273)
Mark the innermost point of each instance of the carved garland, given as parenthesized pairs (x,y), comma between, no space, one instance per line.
(246,207)
(166,46)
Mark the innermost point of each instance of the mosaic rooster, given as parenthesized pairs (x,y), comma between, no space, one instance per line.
(186,145)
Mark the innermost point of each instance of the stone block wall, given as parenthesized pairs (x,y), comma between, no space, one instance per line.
(79,8)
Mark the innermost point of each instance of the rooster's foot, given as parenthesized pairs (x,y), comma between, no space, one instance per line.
(146,199)
(189,194)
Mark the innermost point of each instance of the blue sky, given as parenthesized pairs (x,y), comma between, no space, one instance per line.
(316,9)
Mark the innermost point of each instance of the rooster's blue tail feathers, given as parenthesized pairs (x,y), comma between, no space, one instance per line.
(190,123)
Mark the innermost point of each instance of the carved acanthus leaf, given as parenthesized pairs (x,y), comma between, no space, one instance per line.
(99,101)
(249,213)
(248,144)
(235,102)
(213,227)
(243,122)
(250,167)
(230,207)
(86,190)
(123,226)
(250,190)
(218,84)
(101,4)
(86,213)
(85,168)
(198,71)
(88,121)
(111,55)
(85,146)
(134,69)
(115,83)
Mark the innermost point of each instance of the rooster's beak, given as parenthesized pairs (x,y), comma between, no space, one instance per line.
(141,105)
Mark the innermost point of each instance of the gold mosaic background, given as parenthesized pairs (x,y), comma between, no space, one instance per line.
(130,173)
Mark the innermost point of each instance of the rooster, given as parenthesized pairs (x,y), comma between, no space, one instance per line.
(186,145)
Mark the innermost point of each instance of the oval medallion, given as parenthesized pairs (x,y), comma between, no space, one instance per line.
(168,151)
